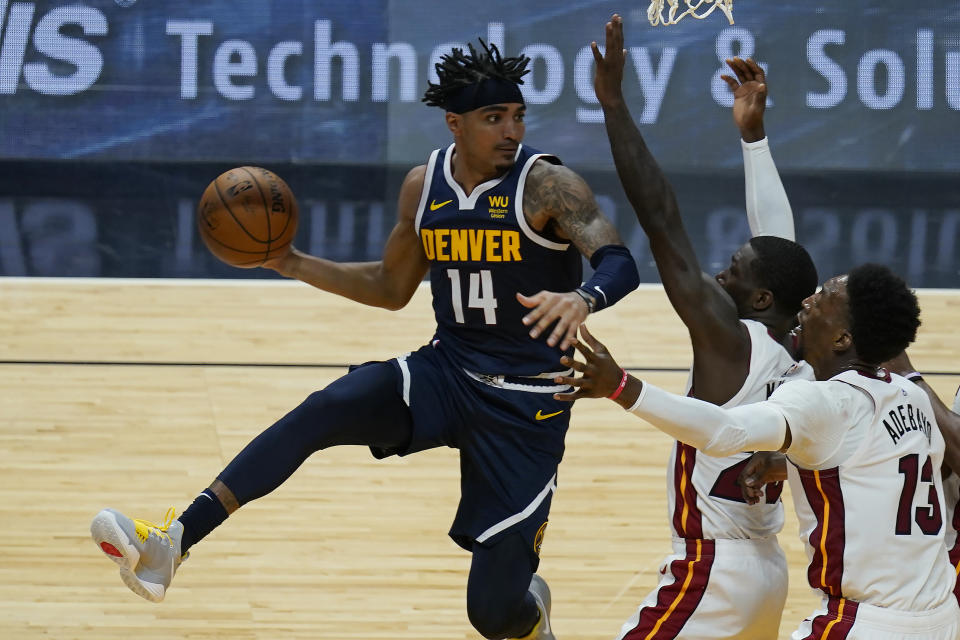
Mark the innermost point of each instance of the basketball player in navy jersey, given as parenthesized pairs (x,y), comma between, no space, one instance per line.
(501,229)
(727,576)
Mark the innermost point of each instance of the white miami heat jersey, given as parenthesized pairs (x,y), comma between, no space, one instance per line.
(874,524)
(703,497)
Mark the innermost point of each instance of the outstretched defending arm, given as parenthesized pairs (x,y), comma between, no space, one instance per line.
(768,208)
(720,341)
(711,429)
(388,283)
(820,417)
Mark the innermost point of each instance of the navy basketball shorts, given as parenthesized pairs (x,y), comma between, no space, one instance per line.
(510,433)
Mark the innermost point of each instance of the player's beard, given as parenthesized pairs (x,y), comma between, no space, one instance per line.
(506,157)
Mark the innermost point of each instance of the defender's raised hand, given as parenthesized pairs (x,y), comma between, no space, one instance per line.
(749,97)
(609,74)
(601,375)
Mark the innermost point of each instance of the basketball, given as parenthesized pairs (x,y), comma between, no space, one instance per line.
(247,216)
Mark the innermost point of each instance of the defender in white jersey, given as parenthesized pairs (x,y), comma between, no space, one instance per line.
(856,543)
(766,467)
(865,453)
(720,511)
(727,576)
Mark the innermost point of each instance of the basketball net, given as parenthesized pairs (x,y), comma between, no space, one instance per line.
(699,9)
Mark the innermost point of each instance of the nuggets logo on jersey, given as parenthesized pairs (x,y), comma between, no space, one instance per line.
(538,539)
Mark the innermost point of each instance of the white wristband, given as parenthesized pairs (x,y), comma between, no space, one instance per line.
(763,143)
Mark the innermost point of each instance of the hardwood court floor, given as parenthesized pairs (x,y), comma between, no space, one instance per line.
(134,394)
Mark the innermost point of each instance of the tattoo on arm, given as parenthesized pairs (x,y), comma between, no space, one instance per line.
(556,195)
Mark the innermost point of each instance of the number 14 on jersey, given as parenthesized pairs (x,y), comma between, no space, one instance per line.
(479,295)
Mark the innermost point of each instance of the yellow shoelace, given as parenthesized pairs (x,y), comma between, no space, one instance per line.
(144,527)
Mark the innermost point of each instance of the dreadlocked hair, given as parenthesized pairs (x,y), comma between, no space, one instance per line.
(457,70)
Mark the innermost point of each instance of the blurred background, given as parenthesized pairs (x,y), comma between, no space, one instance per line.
(116,114)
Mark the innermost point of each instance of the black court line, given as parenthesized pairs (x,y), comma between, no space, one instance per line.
(298,365)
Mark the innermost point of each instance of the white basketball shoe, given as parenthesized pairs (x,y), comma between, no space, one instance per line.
(148,555)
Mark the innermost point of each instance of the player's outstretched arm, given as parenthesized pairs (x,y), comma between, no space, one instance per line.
(947,420)
(388,283)
(556,197)
(720,341)
(646,187)
(768,208)
(711,429)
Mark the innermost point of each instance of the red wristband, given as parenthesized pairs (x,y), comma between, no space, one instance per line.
(623,383)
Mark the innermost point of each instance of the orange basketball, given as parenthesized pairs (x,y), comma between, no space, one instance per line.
(247,216)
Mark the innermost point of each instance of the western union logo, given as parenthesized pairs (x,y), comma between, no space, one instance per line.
(471,245)
(498,206)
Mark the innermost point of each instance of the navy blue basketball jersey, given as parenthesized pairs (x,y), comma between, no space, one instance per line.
(482,252)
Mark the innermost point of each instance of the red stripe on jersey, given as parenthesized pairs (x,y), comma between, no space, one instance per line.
(823,492)
(677,601)
(955,562)
(773,491)
(955,551)
(687,519)
(837,623)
